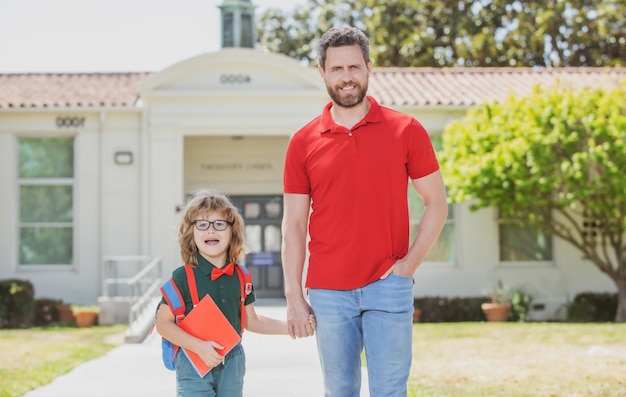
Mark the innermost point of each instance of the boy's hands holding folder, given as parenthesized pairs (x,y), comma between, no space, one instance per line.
(209,352)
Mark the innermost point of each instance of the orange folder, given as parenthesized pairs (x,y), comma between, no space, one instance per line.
(207,322)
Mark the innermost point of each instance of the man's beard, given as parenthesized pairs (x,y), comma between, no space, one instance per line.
(348,101)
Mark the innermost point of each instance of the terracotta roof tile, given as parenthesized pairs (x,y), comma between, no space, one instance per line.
(62,90)
(471,86)
(462,87)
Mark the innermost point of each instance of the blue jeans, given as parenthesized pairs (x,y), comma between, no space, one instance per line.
(225,380)
(378,318)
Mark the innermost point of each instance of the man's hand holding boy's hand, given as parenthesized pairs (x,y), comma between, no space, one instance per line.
(299,322)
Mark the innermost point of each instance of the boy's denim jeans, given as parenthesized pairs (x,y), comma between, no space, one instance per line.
(377,317)
(225,380)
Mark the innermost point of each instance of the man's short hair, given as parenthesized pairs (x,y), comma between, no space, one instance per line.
(343,36)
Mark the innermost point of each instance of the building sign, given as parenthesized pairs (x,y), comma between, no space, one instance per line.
(246,165)
(263,258)
(235,79)
(237,166)
(70,122)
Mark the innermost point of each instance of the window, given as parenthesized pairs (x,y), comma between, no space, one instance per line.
(247,31)
(444,248)
(46,189)
(523,243)
(228,25)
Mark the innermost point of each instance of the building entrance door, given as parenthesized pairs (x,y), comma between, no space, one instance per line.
(262,216)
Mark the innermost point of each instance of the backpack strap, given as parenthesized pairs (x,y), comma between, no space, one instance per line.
(245,280)
(191,281)
(174,299)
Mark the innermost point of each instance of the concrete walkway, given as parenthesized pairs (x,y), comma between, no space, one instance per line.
(277,366)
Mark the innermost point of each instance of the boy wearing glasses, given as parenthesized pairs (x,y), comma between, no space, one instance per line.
(211,237)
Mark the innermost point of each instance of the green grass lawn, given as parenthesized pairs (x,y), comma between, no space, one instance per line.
(33,357)
(449,359)
(518,360)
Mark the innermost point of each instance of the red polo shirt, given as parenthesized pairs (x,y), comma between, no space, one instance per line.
(357,179)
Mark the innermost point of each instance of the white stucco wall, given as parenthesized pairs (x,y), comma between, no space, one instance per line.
(104,205)
(131,209)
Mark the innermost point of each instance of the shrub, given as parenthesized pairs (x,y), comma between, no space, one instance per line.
(450,309)
(17,303)
(46,311)
(592,307)
(521,302)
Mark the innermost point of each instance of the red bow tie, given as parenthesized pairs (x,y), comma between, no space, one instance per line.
(227,270)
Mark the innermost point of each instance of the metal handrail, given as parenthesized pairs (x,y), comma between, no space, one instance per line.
(141,289)
(142,304)
(110,272)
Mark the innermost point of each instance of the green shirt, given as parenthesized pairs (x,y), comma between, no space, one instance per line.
(225,290)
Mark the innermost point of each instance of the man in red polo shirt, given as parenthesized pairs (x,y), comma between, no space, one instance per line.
(346,178)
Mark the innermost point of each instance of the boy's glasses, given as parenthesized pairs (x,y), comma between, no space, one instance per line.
(219,225)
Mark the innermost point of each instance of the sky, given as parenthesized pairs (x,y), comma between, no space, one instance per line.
(109,36)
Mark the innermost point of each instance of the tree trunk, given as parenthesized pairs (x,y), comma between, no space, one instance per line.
(620,314)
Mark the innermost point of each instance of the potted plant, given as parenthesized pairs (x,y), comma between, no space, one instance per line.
(85,316)
(499,307)
(417,313)
(522,299)
(66,315)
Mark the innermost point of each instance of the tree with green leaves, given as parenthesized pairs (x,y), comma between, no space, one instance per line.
(296,33)
(459,32)
(554,160)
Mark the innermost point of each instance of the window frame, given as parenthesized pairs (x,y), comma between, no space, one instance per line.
(456,246)
(523,263)
(437,142)
(59,181)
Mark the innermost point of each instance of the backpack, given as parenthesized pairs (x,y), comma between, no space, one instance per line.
(174,299)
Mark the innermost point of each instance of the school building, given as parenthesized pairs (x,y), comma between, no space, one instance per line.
(94,168)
